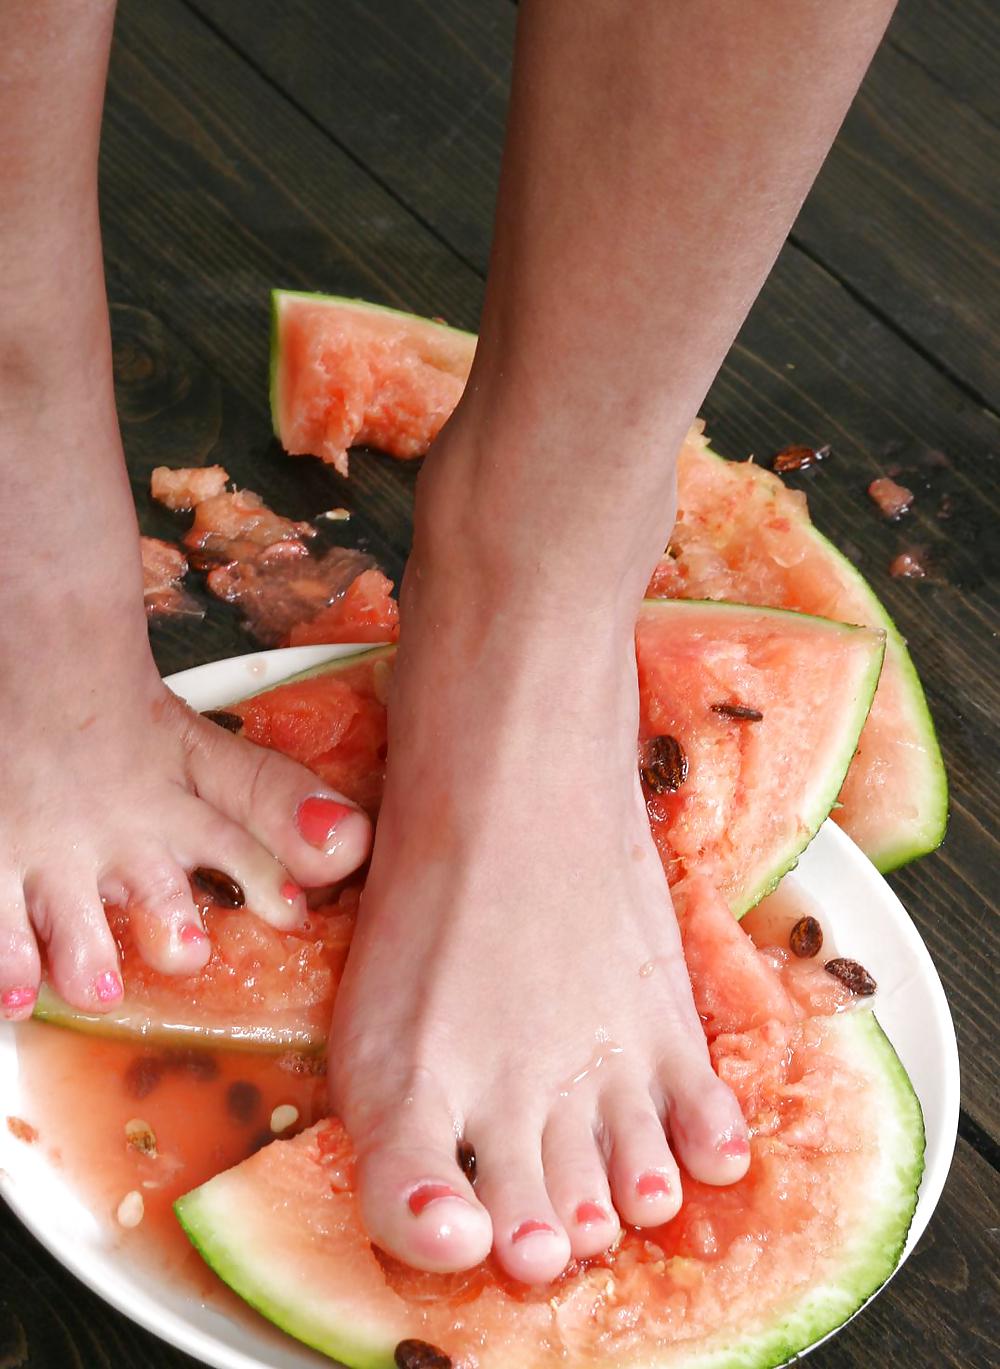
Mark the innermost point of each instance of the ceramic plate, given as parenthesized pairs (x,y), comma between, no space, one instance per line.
(854,902)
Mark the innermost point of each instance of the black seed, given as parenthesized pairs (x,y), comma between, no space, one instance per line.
(417,1354)
(143,1075)
(852,975)
(798,458)
(740,713)
(220,887)
(806,938)
(664,766)
(232,722)
(466,1158)
(242,1101)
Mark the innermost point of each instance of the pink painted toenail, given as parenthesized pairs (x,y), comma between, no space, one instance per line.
(317,820)
(652,1185)
(590,1214)
(529,1228)
(429,1193)
(16,1000)
(192,935)
(735,1149)
(108,987)
(290,891)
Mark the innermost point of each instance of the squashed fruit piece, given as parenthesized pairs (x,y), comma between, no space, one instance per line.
(366,612)
(163,568)
(187,486)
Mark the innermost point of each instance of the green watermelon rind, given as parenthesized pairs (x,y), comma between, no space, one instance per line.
(930,834)
(220,1222)
(340,302)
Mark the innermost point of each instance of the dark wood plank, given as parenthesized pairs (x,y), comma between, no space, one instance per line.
(941,1309)
(957,44)
(905,209)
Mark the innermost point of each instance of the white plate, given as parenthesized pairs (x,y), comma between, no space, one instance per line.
(861,911)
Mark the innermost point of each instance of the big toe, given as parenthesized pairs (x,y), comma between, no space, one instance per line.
(708,1130)
(418,1205)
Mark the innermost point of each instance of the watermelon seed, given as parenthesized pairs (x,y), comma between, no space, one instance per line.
(466,1158)
(417,1354)
(139,1135)
(242,1100)
(220,887)
(852,975)
(232,722)
(664,766)
(740,713)
(798,458)
(806,938)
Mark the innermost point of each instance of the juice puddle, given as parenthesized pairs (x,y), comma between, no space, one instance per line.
(206,1110)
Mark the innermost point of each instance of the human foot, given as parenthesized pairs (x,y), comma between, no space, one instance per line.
(516,980)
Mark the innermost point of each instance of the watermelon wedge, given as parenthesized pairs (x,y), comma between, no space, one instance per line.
(741,534)
(748,1275)
(347,373)
(755,794)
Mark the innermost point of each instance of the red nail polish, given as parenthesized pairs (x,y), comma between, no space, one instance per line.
(317,820)
(191,934)
(15,1000)
(590,1214)
(108,987)
(528,1229)
(735,1149)
(290,891)
(428,1193)
(652,1185)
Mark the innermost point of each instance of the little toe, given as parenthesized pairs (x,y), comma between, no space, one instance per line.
(577,1184)
(315,832)
(164,918)
(68,916)
(645,1181)
(528,1237)
(418,1205)
(19,963)
(708,1130)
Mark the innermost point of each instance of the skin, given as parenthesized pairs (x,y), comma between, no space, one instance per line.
(493,991)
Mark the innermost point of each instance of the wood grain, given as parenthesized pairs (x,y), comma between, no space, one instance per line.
(957,45)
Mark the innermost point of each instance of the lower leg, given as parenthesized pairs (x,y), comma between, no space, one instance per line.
(493,990)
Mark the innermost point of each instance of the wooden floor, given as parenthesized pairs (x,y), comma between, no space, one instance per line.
(352,146)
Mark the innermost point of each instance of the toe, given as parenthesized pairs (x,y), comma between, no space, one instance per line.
(19,963)
(315,832)
(234,869)
(707,1128)
(577,1184)
(164,918)
(528,1237)
(645,1181)
(82,957)
(415,1201)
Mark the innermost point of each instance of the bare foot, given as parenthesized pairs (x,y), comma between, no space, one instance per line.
(516,980)
(114,790)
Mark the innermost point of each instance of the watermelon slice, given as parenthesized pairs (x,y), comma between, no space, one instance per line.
(747,1275)
(755,795)
(346,373)
(741,534)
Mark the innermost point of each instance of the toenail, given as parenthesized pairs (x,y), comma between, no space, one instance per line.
(290,891)
(652,1185)
(16,1000)
(317,820)
(530,1228)
(734,1149)
(591,1214)
(429,1193)
(192,935)
(108,987)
